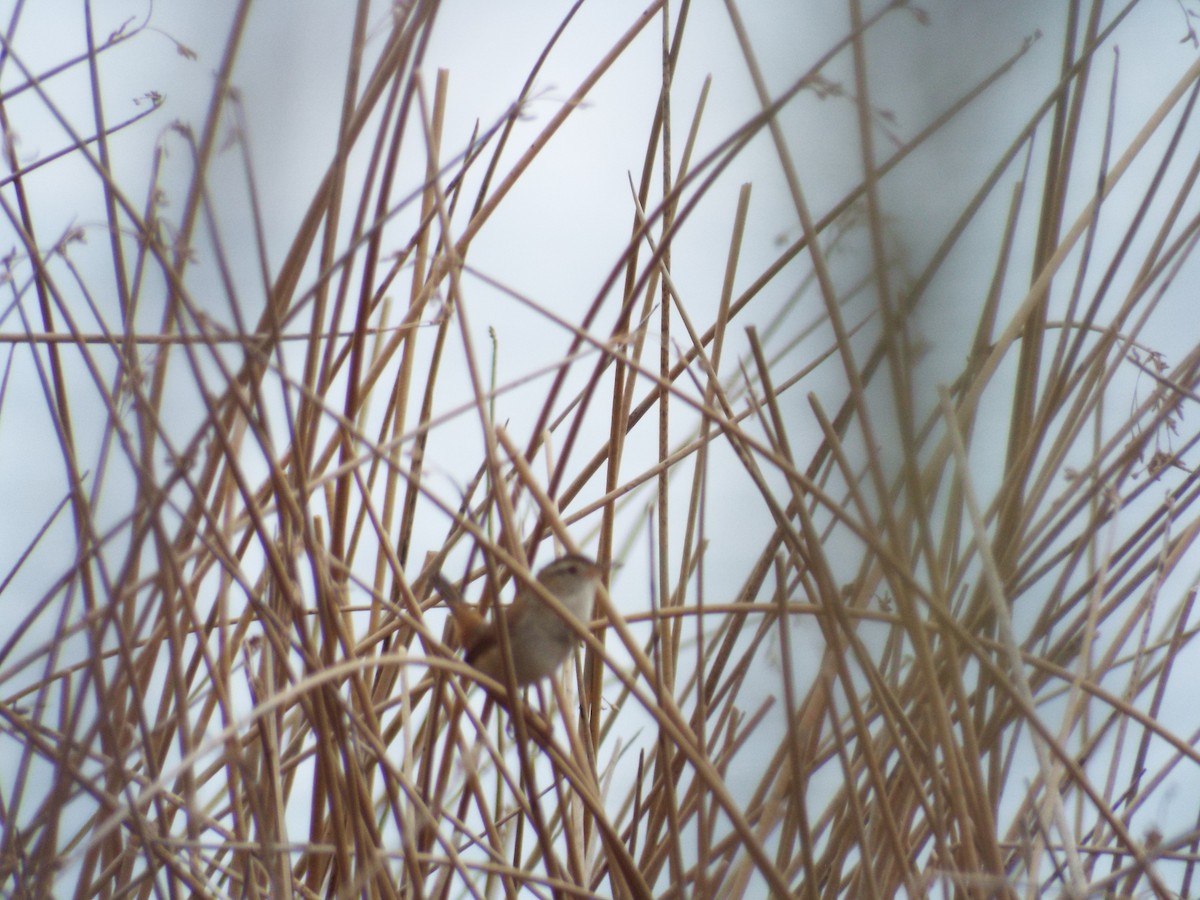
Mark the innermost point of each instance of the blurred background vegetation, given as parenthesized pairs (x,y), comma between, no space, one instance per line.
(859,338)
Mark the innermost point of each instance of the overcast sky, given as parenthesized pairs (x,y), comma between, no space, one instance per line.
(557,237)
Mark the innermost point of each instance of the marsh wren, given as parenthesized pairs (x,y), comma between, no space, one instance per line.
(537,636)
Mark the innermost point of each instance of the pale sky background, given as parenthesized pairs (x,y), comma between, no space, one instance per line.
(557,236)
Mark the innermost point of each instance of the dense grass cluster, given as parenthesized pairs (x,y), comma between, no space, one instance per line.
(901,529)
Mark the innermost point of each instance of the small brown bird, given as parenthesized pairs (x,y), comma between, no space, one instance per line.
(538,637)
